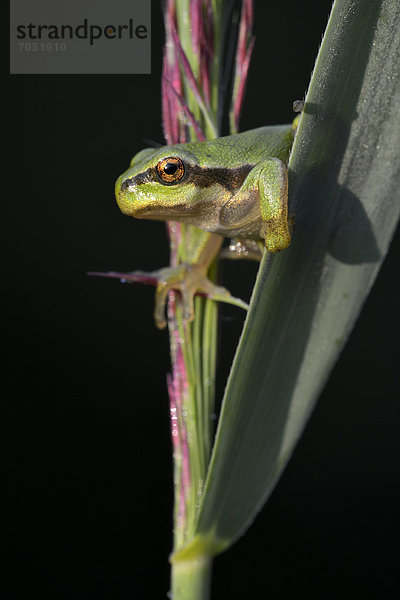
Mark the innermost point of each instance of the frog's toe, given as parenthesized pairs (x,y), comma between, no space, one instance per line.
(188,304)
(216,292)
(159,305)
(221,294)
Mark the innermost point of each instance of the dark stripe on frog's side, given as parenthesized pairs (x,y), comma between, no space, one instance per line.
(202,177)
(230,179)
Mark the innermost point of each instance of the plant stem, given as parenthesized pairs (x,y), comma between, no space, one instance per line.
(191,579)
(192,107)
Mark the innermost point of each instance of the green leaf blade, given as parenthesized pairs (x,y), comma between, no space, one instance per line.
(344,190)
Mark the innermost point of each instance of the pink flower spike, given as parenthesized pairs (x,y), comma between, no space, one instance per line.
(196,126)
(246,24)
(249,13)
(135,277)
(170,9)
(167,119)
(171,75)
(185,65)
(242,80)
(205,61)
(207,51)
(195,24)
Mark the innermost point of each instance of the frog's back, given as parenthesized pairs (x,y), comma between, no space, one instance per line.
(248,147)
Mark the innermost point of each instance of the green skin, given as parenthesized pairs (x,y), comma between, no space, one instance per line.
(234,186)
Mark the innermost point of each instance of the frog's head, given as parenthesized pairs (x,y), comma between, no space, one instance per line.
(173,183)
(159,184)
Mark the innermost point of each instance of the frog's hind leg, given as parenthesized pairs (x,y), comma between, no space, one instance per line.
(189,279)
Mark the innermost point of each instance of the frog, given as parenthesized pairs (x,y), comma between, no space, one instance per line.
(235,186)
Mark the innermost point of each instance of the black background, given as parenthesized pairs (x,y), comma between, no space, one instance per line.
(85,433)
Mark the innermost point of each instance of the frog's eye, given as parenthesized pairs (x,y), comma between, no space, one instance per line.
(171,169)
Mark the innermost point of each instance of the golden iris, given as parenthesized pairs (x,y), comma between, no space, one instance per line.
(171,169)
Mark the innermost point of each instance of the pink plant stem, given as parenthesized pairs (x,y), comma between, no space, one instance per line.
(198,130)
(176,115)
(243,56)
(173,112)
(185,65)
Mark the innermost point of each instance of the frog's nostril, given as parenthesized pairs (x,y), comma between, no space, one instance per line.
(126,184)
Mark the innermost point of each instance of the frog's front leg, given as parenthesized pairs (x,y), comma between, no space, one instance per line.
(260,208)
(273,187)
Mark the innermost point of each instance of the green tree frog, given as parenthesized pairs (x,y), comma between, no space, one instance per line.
(234,186)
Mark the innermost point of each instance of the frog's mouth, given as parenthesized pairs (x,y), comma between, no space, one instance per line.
(163,213)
